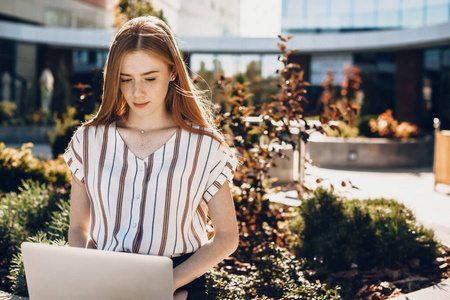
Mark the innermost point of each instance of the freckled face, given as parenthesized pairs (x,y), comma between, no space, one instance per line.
(144,81)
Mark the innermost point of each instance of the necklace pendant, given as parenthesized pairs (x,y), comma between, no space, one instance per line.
(142,131)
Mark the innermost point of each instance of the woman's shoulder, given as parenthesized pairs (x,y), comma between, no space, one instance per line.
(207,134)
(88,130)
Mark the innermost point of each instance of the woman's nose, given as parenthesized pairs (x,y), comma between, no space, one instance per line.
(138,90)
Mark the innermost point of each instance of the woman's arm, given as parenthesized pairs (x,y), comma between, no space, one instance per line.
(224,243)
(79,216)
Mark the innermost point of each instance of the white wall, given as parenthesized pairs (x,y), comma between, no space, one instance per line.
(171,9)
(201,18)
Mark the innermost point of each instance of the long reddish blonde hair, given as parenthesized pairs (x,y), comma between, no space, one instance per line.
(183,99)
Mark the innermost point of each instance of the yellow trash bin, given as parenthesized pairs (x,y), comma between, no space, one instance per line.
(442,157)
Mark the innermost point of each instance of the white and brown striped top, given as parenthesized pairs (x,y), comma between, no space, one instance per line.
(156,205)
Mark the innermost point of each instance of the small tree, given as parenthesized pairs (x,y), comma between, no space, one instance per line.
(258,143)
(126,10)
(352,96)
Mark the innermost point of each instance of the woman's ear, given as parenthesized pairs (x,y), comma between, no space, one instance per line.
(173,73)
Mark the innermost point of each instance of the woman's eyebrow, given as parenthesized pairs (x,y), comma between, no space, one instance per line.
(146,73)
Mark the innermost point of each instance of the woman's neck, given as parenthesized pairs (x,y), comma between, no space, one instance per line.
(148,124)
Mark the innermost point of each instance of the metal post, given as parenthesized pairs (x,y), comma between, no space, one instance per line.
(436,125)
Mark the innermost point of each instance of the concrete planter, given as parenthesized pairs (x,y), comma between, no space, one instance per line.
(370,152)
(287,168)
(25,134)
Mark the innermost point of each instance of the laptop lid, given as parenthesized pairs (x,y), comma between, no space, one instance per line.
(56,272)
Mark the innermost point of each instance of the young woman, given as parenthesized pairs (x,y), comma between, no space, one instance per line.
(150,166)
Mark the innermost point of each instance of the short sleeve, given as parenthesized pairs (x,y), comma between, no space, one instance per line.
(73,155)
(223,168)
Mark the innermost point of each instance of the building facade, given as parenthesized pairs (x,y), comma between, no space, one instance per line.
(402,48)
(202,18)
(45,41)
(351,15)
(70,38)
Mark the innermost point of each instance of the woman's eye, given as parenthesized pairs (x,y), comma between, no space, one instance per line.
(124,80)
(150,79)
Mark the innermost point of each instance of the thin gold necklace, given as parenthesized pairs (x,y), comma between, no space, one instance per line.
(134,128)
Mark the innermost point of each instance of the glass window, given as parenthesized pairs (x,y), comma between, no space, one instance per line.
(199,61)
(293,14)
(364,14)
(412,13)
(259,71)
(437,12)
(285,8)
(269,65)
(412,4)
(432,60)
(317,14)
(437,2)
(244,62)
(340,13)
(321,63)
(446,58)
(101,59)
(58,18)
(204,66)
(228,63)
(386,63)
(388,13)
(80,57)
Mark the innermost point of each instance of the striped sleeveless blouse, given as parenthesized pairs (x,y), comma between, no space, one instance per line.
(156,205)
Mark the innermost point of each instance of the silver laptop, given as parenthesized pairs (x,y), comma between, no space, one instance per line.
(56,272)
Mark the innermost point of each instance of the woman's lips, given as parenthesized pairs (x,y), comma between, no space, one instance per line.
(141,105)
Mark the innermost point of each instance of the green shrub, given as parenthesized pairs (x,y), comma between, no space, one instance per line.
(7,110)
(56,172)
(363,125)
(23,214)
(322,234)
(17,271)
(58,227)
(276,276)
(17,165)
(400,238)
(33,212)
(39,117)
(64,129)
(340,235)
(342,130)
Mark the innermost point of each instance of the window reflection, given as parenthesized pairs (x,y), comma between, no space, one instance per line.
(388,15)
(340,14)
(313,15)
(364,13)
(258,70)
(317,14)
(437,12)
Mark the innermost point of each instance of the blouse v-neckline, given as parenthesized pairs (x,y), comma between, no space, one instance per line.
(157,151)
